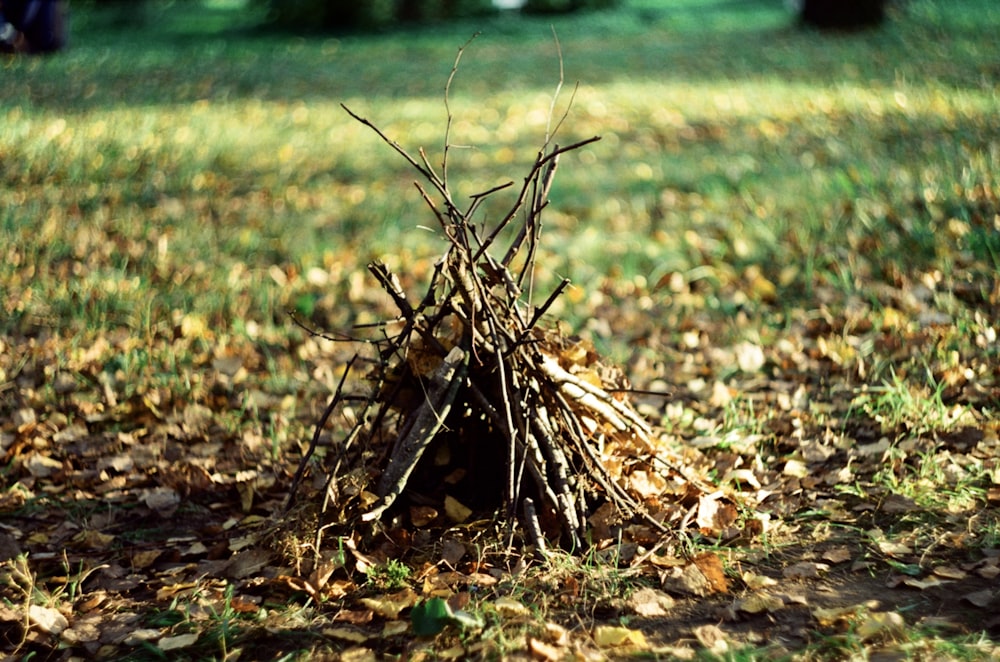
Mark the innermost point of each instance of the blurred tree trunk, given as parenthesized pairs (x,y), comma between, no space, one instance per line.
(842,14)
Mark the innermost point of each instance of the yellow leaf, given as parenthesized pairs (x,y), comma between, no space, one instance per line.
(759,603)
(194,326)
(389,606)
(830,616)
(608,636)
(510,607)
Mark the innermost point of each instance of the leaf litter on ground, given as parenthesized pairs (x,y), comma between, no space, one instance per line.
(143,464)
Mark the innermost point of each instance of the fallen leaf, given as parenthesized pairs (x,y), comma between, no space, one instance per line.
(749,357)
(650,602)
(346,634)
(827,616)
(42,466)
(895,504)
(543,651)
(759,603)
(929,582)
(356,616)
(164,500)
(610,636)
(140,635)
(950,572)
(688,580)
(712,638)
(510,607)
(805,570)
(982,599)
(556,634)
(837,555)
(455,510)
(754,581)
(795,468)
(177,642)
(248,562)
(881,624)
(711,567)
(393,628)
(47,619)
(358,654)
(421,516)
(452,551)
(389,606)
(894,549)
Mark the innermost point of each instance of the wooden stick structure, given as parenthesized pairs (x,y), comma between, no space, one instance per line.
(473,369)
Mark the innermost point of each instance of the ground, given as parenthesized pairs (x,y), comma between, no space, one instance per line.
(787,242)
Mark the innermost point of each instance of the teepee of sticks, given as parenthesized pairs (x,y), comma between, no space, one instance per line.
(474,388)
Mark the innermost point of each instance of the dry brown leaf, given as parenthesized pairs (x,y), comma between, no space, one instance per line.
(837,555)
(950,572)
(795,468)
(42,466)
(895,503)
(712,568)
(84,630)
(354,616)
(929,582)
(421,516)
(145,558)
(983,599)
(805,570)
(249,562)
(452,551)
(164,500)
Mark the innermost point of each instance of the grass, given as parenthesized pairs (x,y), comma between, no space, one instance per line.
(172,187)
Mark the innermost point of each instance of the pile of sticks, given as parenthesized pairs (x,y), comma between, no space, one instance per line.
(471,358)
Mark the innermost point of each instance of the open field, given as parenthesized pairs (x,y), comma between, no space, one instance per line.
(797,236)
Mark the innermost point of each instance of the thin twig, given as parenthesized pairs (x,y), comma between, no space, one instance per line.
(314,442)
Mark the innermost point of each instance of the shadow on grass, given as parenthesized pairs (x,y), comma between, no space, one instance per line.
(180,53)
